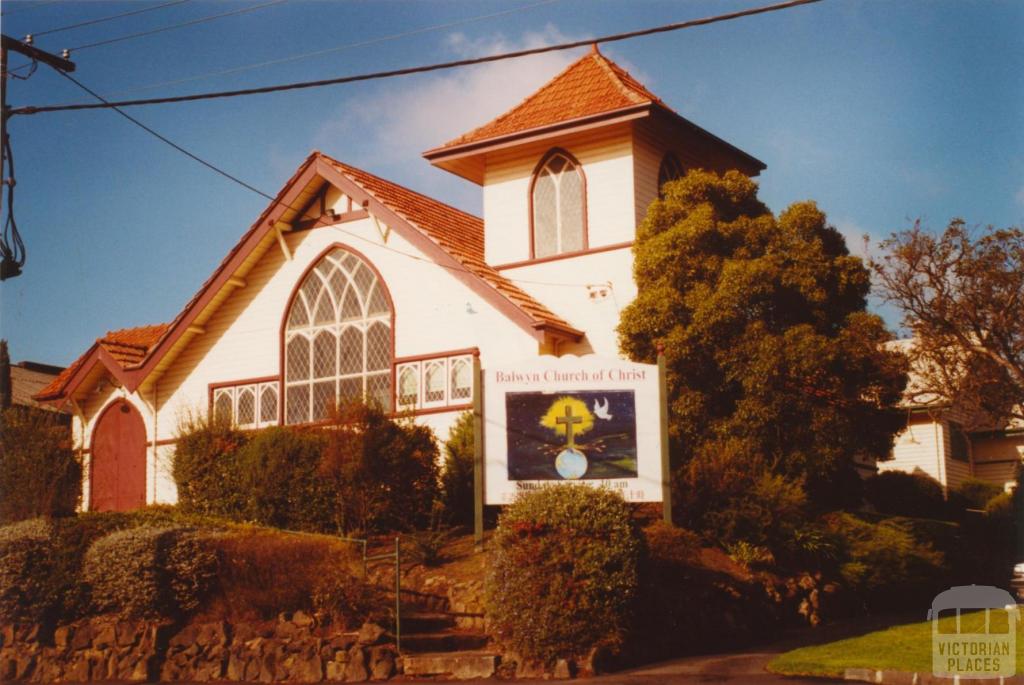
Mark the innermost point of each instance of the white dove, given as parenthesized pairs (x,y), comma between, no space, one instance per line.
(602,412)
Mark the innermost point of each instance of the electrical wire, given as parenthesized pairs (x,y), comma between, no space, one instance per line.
(28,6)
(12,248)
(419,69)
(101,20)
(34,64)
(192,22)
(319,222)
(327,51)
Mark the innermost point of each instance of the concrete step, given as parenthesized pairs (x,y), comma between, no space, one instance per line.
(447,641)
(426,622)
(464,665)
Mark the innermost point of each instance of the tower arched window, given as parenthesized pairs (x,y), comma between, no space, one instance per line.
(337,340)
(558,198)
(670,170)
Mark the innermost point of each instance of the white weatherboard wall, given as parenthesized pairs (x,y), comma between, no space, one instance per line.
(920,448)
(606,156)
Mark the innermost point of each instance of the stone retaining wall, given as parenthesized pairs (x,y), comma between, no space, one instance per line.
(294,649)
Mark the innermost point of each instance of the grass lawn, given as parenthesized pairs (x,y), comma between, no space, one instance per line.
(899,648)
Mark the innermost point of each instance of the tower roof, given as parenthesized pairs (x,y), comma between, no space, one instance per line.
(592,85)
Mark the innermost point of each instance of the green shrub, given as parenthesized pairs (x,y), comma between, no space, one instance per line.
(563,574)
(280,483)
(884,564)
(384,472)
(1000,506)
(975,494)
(39,472)
(26,554)
(149,572)
(905,494)
(457,476)
(205,467)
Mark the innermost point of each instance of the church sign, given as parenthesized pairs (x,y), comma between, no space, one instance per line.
(588,420)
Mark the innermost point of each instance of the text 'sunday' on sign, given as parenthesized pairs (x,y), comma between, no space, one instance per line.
(587,420)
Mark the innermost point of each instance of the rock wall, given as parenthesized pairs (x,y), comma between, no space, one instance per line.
(294,649)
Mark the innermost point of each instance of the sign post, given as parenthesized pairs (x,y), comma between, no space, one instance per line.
(478,455)
(590,420)
(666,473)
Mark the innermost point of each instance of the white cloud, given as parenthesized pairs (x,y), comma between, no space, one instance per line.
(855,235)
(393,124)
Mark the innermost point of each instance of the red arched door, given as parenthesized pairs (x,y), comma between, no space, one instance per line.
(117,480)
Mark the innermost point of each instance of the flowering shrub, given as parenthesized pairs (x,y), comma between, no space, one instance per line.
(564,572)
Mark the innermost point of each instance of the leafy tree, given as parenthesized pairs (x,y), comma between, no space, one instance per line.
(457,477)
(962,296)
(774,366)
(39,472)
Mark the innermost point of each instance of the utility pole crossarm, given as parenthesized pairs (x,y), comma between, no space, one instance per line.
(37,54)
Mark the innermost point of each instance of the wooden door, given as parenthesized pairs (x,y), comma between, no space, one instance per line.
(117,480)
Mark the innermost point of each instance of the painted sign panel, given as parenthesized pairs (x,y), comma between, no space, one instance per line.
(589,420)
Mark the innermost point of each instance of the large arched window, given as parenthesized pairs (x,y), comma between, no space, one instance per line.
(559,201)
(671,169)
(337,340)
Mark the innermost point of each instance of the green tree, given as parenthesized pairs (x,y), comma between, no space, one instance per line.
(774,365)
(457,477)
(39,472)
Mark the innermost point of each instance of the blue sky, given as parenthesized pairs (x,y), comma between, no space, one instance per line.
(883,112)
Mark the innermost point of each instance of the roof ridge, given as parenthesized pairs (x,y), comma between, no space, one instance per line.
(399,185)
(628,90)
(522,103)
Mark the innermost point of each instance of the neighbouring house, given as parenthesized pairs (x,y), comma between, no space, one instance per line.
(349,285)
(28,379)
(937,444)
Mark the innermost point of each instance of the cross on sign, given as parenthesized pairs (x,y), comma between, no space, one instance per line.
(568,420)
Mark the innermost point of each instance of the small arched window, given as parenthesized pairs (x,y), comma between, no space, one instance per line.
(671,169)
(559,201)
(337,341)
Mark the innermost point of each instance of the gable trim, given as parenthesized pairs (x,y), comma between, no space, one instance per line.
(441,256)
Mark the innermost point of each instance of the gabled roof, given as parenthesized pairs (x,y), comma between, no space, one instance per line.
(126,347)
(451,237)
(589,86)
(591,92)
(458,233)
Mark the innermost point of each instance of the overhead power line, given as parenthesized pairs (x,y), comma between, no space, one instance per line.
(420,69)
(339,48)
(162,29)
(101,20)
(234,179)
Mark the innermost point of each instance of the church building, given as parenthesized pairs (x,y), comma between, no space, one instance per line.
(349,285)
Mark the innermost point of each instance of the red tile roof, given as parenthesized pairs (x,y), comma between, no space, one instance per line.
(128,347)
(590,86)
(460,234)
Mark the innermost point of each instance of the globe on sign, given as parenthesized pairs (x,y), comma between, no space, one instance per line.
(571,464)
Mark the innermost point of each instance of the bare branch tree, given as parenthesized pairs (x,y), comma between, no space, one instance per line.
(963,298)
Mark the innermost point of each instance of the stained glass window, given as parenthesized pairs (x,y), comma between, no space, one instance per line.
(558,207)
(337,340)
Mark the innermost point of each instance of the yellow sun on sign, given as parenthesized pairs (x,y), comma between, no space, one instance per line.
(571,411)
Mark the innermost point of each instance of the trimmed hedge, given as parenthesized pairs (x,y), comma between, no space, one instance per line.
(39,472)
(563,575)
(26,563)
(149,572)
(905,494)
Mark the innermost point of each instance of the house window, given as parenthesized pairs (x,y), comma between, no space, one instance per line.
(559,203)
(959,449)
(337,343)
(250,405)
(434,382)
(461,378)
(408,385)
(670,170)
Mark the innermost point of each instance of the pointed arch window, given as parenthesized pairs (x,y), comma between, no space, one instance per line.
(337,341)
(670,170)
(558,200)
